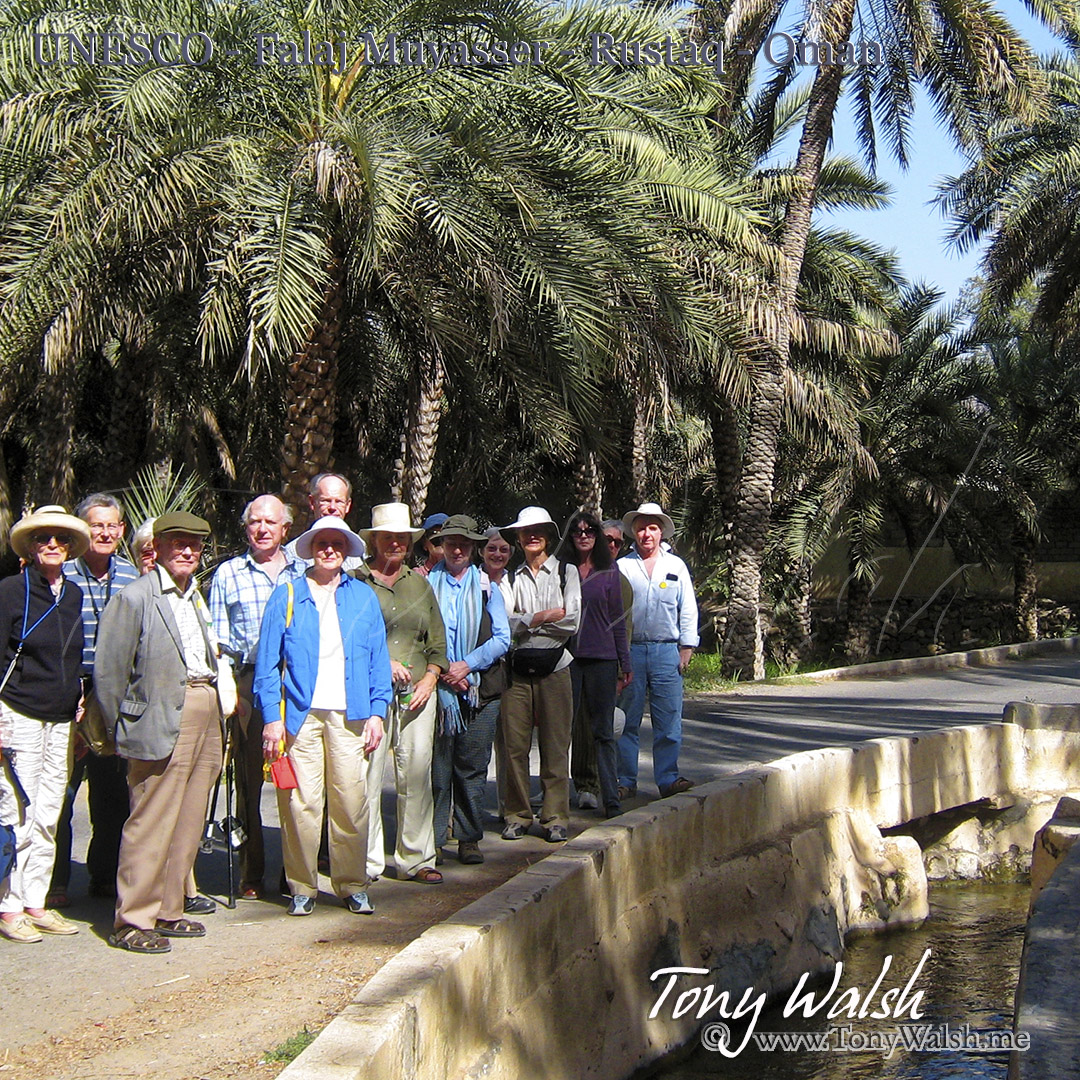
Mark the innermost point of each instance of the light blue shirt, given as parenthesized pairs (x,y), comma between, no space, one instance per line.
(486,653)
(238,597)
(665,608)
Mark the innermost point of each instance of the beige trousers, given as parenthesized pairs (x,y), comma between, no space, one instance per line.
(411,736)
(168,810)
(546,701)
(328,757)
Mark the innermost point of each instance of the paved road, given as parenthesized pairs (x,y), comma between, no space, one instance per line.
(764,722)
(759,723)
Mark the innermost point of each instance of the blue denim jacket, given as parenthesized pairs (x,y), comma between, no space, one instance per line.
(368,688)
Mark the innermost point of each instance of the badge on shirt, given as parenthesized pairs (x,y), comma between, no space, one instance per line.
(663,584)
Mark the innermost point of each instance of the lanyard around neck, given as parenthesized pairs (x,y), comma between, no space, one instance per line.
(26,608)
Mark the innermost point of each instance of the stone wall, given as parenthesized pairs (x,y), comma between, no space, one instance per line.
(915,628)
(755,879)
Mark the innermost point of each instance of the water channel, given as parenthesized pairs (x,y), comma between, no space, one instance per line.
(975,935)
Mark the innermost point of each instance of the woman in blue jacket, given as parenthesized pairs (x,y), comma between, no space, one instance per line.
(322,680)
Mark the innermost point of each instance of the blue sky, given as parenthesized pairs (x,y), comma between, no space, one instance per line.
(911,226)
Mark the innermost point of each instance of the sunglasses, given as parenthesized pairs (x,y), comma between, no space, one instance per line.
(614,541)
(583,532)
(62,538)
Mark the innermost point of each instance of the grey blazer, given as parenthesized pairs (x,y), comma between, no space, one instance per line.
(140,677)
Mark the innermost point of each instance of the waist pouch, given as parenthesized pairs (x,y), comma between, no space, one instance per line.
(536,662)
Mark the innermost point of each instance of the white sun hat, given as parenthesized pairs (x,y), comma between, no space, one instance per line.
(355,546)
(530,518)
(649,509)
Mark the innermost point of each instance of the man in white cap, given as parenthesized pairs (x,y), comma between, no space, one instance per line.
(665,634)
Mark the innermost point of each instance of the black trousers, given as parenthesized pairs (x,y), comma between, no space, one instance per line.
(592,759)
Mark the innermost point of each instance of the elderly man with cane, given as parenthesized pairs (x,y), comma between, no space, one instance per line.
(157,679)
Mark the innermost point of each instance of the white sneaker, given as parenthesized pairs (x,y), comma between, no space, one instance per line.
(52,922)
(586,800)
(19,929)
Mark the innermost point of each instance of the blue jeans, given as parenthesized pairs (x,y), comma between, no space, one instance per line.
(656,672)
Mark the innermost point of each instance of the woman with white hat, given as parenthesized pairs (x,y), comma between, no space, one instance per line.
(544,614)
(665,634)
(41,628)
(322,667)
(416,639)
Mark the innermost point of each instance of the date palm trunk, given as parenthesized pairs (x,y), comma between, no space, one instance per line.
(1025,589)
(743,646)
(413,470)
(53,474)
(311,397)
(588,483)
(858,630)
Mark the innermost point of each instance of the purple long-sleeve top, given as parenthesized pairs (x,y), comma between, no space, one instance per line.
(602,634)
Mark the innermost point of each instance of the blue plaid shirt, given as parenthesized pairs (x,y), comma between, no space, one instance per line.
(95,595)
(238,596)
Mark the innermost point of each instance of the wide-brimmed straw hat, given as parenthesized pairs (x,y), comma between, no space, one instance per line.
(50,517)
(391,518)
(648,509)
(459,525)
(356,547)
(530,518)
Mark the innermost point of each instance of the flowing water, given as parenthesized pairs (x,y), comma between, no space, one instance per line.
(974,935)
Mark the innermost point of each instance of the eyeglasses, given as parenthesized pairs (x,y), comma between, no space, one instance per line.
(62,538)
(112,528)
(583,532)
(179,544)
(614,541)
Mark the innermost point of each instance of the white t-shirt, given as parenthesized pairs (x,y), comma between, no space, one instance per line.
(329,692)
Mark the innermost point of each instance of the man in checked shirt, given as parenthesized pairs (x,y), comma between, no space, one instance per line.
(238,596)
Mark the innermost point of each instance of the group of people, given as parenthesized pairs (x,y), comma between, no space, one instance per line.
(319,659)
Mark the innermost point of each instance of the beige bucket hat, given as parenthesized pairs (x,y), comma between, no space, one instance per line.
(50,517)
(649,509)
(391,518)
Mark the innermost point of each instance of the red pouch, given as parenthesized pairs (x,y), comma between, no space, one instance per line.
(282,772)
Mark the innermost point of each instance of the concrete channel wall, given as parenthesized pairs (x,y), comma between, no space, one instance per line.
(755,878)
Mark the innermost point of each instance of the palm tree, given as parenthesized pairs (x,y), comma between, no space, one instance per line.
(971,63)
(441,210)
(1020,195)
(1033,389)
(907,459)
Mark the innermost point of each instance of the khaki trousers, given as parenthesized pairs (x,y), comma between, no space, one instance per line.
(410,734)
(328,758)
(548,702)
(168,809)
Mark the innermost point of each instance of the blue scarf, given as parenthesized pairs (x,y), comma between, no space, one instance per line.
(469,601)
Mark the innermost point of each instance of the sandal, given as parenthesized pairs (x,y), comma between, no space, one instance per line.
(427,875)
(180,928)
(141,941)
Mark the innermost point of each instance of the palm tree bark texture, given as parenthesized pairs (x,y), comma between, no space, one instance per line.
(311,397)
(743,651)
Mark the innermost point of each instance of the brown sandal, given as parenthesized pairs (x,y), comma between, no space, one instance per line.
(141,941)
(427,875)
(180,928)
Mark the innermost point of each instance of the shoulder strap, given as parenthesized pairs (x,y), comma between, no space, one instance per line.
(288,620)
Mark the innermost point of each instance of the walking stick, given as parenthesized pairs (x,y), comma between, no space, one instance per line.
(207,843)
(231,823)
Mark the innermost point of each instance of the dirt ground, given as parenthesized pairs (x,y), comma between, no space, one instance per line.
(212,1008)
